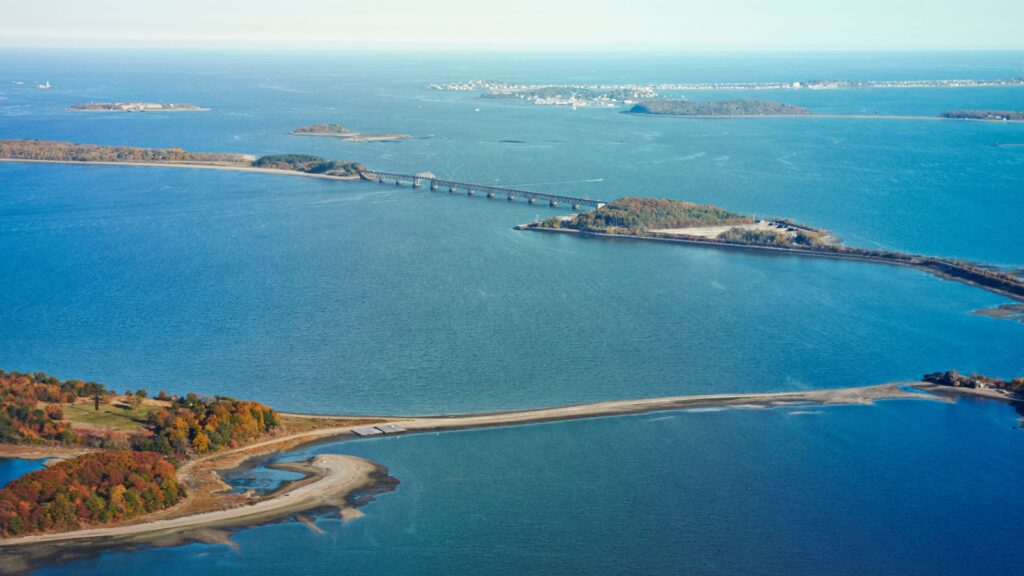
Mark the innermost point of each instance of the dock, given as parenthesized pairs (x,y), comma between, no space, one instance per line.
(378,430)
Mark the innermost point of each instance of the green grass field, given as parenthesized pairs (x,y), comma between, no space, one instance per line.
(108,416)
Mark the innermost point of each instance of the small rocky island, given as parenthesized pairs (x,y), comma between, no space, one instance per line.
(724,108)
(135,107)
(343,132)
(992,115)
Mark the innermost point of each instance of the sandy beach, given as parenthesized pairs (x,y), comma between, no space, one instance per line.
(186,165)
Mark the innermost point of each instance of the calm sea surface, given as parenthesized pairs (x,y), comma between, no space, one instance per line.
(352,297)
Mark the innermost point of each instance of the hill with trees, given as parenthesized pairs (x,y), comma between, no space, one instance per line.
(37,408)
(309,164)
(90,490)
(637,214)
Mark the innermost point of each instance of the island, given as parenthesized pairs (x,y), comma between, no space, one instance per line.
(734,108)
(135,107)
(675,221)
(339,131)
(993,115)
(48,151)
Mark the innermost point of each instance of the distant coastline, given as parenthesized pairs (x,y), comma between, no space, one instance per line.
(772,109)
(135,107)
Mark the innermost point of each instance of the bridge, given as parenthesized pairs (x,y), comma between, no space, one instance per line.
(419,179)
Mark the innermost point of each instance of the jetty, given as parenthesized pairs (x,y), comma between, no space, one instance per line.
(511,194)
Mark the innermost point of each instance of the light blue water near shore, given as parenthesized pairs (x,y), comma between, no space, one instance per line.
(895,488)
(350,297)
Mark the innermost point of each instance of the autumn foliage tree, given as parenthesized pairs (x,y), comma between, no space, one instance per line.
(95,489)
(193,425)
(29,406)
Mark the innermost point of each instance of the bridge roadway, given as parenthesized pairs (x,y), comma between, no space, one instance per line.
(492,191)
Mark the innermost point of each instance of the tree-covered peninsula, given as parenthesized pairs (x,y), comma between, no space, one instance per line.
(131,445)
(665,107)
(666,220)
(635,214)
(51,151)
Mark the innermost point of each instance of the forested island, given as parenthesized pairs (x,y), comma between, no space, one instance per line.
(736,108)
(52,151)
(666,220)
(994,115)
(339,131)
(135,107)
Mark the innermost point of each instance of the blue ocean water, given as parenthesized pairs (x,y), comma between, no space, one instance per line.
(350,297)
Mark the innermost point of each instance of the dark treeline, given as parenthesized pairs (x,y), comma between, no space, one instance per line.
(984,114)
(309,164)
(633,214)
(69,151)
(94,489)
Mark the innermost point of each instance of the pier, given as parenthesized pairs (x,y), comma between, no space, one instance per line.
(511,194)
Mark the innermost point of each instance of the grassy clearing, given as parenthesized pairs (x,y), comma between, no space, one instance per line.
(115,416)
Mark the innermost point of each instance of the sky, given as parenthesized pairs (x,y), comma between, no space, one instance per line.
(517,24)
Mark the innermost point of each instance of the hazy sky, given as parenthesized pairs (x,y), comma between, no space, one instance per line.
(518,24)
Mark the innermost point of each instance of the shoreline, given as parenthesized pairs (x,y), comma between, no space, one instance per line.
(330,481)
(41,451)
(197,166)
(833,116)
(711,243)
(145,527)
(340,482)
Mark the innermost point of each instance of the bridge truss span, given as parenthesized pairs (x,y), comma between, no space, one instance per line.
(511,194)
